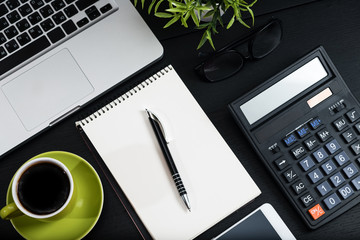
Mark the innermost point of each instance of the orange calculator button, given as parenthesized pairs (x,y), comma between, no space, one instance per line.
(316,211)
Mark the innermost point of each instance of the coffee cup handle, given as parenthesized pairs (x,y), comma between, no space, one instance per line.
(10,211)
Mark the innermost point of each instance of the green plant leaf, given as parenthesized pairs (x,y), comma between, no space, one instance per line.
(177,4)
(209,13)
(202,41)
(172,21)
(157,5)
(252,15)
(176,10)
(194,17)
(183,22)
(163,15)
(184,9)
(231,22)
(208,37)
(204,8)
(151,6)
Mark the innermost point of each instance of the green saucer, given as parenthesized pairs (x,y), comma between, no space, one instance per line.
(82,218)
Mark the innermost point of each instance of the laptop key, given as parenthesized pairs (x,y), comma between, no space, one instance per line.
(3,23)
(56,35)
(58,4)
(92,12)
(106,8)
(35,32)
(25,10)
(47,25)
(23,54)
(82,4)
(2,52)
(13,16)
(23,39)
(82,22)
(11,46)
(59,18)
(12,4)
(11,32)
(69,27)
(46,11)
(34,18)
(2,38)
(3,10)
(36,4)
(22,25)
(70,11)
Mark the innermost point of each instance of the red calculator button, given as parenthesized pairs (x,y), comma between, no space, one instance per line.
(316,211)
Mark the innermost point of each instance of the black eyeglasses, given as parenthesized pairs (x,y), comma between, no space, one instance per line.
(227,61)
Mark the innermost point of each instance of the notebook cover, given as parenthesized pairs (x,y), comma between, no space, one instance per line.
(216,182)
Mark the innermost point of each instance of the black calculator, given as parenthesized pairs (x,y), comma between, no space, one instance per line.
(304,123)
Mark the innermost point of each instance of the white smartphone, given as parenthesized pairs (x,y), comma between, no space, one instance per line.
(263,223)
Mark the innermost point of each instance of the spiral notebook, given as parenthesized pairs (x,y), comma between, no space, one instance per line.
(216,182)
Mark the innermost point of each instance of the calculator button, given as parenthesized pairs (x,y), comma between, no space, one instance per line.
(348,135)
(342,158)
(298,151)
(353,115)
(307,199)
(324,188)
(339,107)
(299,187)
(332,201)
(315,123)
(324,134)
(340,124)
(350,170)
(307,163)
(274,149)
(356,183)
(290,139)
(316,211)
(290,175)
(357,127)
(333,146)
(346,191)
(303,131)
(337,179)
(320,155)
(281,163)
(311,143)
(356,148)
(315,175)
(328,167)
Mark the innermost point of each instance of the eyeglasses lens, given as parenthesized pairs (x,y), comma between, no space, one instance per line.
(223,65)
(266,40)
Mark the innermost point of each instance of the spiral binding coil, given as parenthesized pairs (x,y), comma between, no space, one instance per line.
(124,96)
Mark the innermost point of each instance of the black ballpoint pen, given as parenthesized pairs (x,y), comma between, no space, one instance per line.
(160,135)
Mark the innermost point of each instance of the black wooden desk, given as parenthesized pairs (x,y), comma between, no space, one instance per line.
(331,23)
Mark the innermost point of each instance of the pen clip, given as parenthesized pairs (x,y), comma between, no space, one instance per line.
(155,118)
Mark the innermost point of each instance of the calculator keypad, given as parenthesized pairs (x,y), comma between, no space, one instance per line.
(326,170)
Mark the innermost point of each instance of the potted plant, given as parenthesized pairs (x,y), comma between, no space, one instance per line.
(205,14)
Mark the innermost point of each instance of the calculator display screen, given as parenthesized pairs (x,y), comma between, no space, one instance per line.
(282,91)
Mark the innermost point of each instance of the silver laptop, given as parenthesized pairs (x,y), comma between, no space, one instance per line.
(57,55)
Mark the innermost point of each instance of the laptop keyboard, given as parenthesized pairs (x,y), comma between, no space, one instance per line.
(30,27)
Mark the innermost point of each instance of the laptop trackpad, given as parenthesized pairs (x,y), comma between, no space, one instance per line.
(49,88)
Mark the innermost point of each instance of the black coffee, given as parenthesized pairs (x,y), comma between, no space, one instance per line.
(43,188)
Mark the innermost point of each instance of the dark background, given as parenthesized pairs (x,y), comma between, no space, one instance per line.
(306,25)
